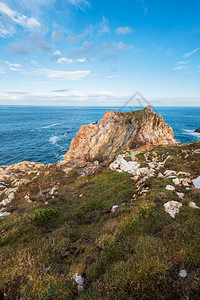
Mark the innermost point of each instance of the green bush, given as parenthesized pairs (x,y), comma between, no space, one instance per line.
(44,216)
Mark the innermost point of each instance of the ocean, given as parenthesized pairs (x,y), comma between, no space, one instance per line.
(43,134)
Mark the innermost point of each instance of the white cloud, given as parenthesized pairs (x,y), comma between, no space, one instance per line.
(103,27)
(13,65)
(65,75)
(183,62)
(17,18)
(80,4)
(65,60)
(191,53)
(181,67)
(123,30)
(113,76)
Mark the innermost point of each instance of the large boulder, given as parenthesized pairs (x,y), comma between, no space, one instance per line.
(197,130)
(119,132)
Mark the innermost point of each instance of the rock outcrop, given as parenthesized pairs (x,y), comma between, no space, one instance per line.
(197,130)
(119,132)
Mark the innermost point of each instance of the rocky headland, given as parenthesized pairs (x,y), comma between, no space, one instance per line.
(118,218)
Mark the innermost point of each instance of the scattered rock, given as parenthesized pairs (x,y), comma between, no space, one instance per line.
(172,208)
(170,187)
(52,191)
(193,205)
(115,209)
(169,173)
(5,202)
(160,175)
(80,282)
(4,214)
(183,273)
(176,181)
(186,181)
(181,195)
(196,182)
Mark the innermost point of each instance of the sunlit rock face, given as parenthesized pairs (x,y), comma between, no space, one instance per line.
(119,132)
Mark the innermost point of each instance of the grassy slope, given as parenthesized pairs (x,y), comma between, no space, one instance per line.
(136,254)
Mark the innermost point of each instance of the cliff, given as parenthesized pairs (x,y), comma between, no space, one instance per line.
(119,131)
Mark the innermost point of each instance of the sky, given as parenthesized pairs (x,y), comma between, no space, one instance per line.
(99,52)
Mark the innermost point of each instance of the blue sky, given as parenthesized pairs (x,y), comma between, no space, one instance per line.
(90,52)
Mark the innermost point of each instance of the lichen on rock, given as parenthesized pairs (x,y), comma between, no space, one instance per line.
(119,132)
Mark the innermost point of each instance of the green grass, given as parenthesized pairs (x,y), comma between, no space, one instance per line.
(136,254)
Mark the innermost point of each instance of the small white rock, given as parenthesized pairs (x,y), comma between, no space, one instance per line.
(196,182)
(172,208)
(81,195)
(115,209)
(180,195)
(170,188)
(4,214)
(176,181)
(193,205)
(160,175)
(183,273)
(80,282)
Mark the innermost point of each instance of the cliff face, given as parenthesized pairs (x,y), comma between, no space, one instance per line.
(119,131)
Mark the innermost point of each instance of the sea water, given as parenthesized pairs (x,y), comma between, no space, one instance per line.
(43,134)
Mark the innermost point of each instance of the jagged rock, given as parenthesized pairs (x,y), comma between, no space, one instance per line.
(197,130)
(196,182)
(119,131)
(172,208)
(170,187)
(193,205)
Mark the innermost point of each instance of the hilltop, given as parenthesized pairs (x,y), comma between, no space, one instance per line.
(118,218)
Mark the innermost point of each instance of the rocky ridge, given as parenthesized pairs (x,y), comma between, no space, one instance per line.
(118,132)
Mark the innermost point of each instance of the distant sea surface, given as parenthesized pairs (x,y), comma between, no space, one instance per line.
(43,134)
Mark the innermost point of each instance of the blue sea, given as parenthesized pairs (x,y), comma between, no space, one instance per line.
(43,134)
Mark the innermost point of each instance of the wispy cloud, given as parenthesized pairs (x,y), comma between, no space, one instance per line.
(181,67)
(65,75)
(103,27)
(124,30)
(113,76)
(17,18)
(183,62)
(191,53)
(80,4)
(14,66)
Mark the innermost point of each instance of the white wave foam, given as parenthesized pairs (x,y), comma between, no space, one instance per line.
(192,132)
(49,126)
(53,140)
